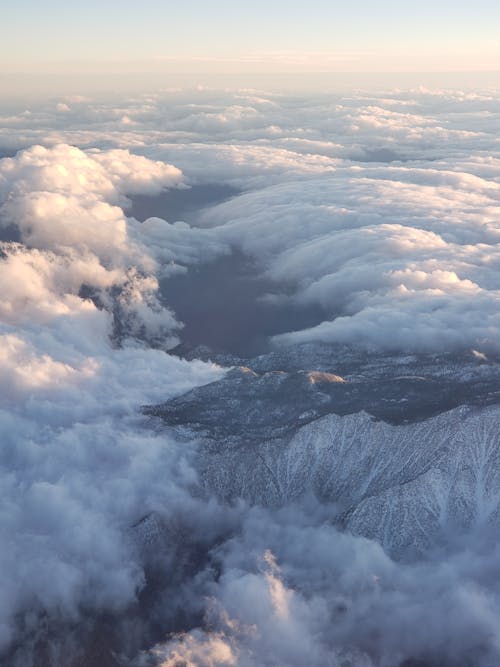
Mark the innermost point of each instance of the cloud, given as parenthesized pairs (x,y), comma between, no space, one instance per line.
(77,466)
(381,210)
(399,257)
(295,591)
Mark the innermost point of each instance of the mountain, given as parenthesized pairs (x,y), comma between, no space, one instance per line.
(405,447)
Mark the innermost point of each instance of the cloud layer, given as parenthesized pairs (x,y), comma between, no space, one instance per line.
(77,467)
(381,210)
(295,591)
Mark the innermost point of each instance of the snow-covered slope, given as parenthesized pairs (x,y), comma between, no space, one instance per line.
(407,448)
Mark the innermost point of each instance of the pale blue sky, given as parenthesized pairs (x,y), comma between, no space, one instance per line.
(53,30)
(98,38)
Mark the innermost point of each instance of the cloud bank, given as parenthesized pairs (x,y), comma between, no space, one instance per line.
(295,591)
(77,467)
(383,211)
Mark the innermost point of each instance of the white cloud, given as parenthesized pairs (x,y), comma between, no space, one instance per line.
(381,210)
(384,250)
(341,601)
(77,468)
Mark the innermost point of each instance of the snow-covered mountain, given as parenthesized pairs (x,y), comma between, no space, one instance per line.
(407,447)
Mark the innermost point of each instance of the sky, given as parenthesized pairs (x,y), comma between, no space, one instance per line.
(98,38)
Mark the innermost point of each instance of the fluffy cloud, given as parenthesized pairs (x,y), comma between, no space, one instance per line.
(78,468)
(386,251)
(380,210)
(295,591)
(348,201)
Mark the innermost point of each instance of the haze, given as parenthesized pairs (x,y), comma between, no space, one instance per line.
(47,47)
